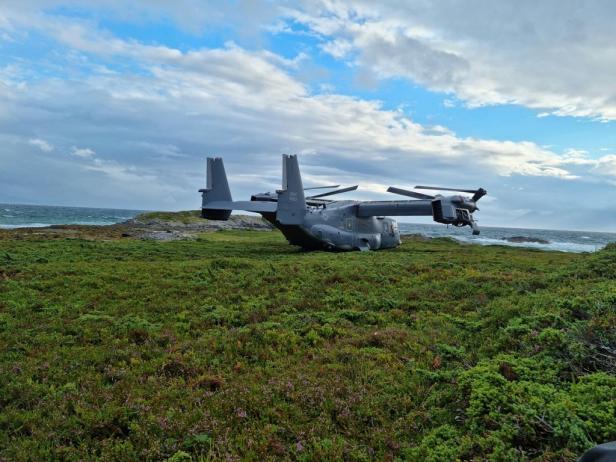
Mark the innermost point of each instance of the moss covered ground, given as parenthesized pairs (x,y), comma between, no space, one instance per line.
(190,216)
(237,346)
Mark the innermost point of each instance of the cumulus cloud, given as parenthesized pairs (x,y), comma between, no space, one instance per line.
(84,153)
(555,56)
(338,48)
(41,144)
(149,127)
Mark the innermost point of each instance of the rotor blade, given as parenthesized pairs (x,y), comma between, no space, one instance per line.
(447,189)
(479,194)
(323,187)
(405,192)
(337,191)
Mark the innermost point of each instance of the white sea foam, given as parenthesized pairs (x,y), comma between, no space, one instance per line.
(556,240)
(36,216)
(558,246)
(44,225)
(26,225)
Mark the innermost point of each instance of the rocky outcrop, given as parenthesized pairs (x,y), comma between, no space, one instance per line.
(183,225)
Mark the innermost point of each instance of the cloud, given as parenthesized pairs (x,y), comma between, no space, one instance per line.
(246,18)
(552,56)
(338,48)
(149,126)
(84,153)
(449,103)
(117,171)
(41,144)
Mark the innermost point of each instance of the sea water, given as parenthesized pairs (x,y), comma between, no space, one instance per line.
(564,241)
(34,216)
(16,216)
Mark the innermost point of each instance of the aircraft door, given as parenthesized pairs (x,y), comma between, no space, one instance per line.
(349,224)
(394,228)
(390,236)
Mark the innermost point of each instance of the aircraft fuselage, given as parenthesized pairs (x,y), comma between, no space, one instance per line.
(313,222)
(337,227)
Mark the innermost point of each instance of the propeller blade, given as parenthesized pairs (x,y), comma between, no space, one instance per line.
(337,191)
(479,194)
(406,192)
(323,187)
(471,191)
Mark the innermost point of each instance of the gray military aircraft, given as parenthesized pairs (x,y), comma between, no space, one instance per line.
(313,222)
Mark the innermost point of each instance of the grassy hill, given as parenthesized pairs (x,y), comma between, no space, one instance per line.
(238,346)
(193,217)
(187,216)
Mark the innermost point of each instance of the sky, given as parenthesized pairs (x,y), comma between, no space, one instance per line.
(118,103)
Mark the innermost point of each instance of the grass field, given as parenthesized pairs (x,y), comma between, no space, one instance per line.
(238,346)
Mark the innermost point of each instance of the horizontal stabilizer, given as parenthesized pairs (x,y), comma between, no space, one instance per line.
(247,206)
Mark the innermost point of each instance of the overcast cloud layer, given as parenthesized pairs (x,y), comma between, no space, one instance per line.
(89,116)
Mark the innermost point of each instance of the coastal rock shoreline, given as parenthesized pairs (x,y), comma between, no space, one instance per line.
(159,226)
(165,227)
(172,226)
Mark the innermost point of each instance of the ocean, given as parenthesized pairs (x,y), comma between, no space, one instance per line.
(561,240)
(16,216)
(35,216)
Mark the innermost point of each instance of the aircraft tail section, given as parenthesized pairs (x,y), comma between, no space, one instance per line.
(216,191)
(290,207)
(291,200)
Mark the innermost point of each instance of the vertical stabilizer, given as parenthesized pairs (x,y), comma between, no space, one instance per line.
(217,190)
(291,200)
(284,171)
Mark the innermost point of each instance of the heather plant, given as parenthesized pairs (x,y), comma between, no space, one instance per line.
(237,346)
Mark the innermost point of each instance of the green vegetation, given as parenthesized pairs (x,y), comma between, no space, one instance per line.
(239,346)
(186,217)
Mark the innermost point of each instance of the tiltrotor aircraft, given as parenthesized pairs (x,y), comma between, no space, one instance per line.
(313,222)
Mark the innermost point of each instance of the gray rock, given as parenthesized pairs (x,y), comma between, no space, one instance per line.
(522,239)
(145,227)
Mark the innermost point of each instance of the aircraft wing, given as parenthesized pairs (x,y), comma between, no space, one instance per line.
(394,208)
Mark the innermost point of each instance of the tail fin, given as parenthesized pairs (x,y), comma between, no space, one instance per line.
(291,200)
(217,190)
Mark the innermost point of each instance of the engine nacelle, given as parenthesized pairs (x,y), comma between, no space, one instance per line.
(447,210)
